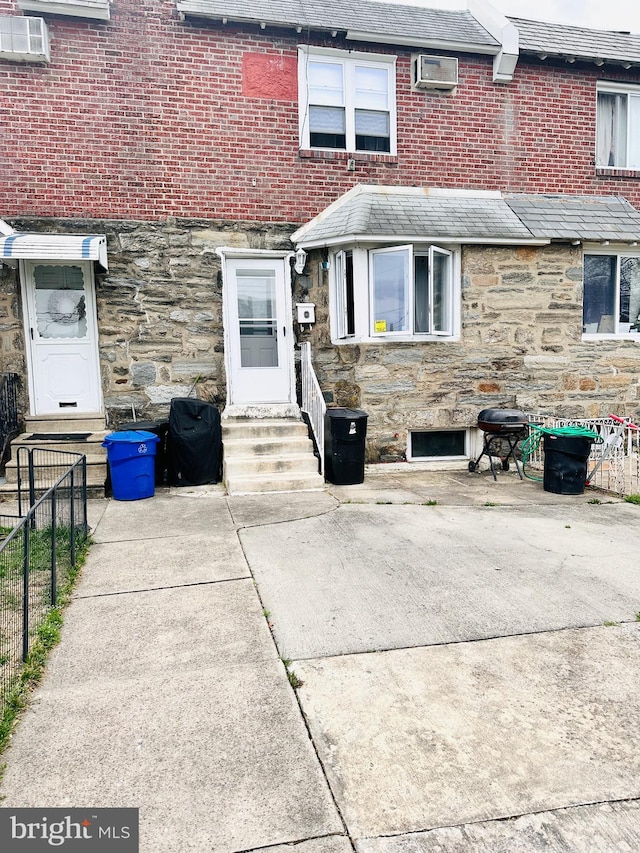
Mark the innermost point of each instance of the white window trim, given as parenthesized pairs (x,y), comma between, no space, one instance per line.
(362,297)
(42,54)
(384,250)
(605,88)
(348,59)
(467,446)
(617,250)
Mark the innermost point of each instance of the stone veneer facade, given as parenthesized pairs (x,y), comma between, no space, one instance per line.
(520,347)
(161,330)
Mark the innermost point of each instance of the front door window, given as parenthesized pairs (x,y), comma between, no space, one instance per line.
(257,318)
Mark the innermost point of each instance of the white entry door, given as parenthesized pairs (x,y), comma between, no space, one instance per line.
(61,329)
(259,333)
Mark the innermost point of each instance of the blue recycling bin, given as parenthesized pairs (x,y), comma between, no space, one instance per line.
(131,455)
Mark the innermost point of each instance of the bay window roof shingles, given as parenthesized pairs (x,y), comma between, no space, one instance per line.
(400,214)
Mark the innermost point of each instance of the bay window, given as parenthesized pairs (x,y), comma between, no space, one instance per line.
(398,292)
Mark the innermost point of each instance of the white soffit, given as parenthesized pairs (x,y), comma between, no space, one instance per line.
(97,9)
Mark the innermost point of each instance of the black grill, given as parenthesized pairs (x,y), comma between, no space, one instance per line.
(502,428)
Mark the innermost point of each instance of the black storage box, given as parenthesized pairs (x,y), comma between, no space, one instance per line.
(565,463)
(194,442)
(345,431)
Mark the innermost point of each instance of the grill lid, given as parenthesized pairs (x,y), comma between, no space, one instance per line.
(501,420)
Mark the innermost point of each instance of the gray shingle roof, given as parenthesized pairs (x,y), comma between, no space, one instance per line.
(368,212)
(385,19)
(392,212)
(567,217)
(564,40)
(407,24)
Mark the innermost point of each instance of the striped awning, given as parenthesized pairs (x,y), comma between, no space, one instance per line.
(54,247)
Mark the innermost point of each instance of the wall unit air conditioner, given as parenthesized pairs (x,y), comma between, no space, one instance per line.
(23,39)
(435,72)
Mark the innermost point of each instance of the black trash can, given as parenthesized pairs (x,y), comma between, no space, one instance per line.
(161,429)
(345,431)
(565,463)
(194,442)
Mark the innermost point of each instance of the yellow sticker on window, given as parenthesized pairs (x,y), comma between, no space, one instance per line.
(381,326)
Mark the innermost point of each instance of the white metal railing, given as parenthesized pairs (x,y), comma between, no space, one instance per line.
(312,400)
(614,464)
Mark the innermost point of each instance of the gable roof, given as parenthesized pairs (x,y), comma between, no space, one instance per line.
(368,214)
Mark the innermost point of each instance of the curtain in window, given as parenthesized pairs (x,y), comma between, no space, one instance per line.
(599,301)
(605,155)
(629,290)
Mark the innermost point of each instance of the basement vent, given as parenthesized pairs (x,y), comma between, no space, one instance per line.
(435,72)
(23,39)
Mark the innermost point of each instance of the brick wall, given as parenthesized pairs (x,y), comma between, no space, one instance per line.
(146,116)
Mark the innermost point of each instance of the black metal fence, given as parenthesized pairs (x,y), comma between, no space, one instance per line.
(9,424)
(38,550)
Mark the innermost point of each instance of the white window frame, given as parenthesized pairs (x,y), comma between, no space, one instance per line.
(348,60)
(363,294)
(628,91)
(464,456)
(27,39)
(618,252)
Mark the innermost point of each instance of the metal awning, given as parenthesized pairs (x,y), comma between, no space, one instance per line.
(54,247)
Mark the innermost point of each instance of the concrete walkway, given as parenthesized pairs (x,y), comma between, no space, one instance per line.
(464,688)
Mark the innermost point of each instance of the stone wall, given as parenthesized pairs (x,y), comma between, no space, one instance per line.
(520,347)
(159,308)
(12,353)
(160,331)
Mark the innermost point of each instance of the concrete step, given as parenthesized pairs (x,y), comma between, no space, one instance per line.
(298,463)
(263,429)
(282,482)
(91,447)
(280,446)
(66,423)
(96,471)
(268,455)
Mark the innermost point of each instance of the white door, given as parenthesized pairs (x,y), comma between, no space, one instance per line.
(61,329)
(259,334)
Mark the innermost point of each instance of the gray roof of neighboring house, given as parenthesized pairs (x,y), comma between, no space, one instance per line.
(384,19)
(400,214)
(567,217)
(407,24)
(564,40)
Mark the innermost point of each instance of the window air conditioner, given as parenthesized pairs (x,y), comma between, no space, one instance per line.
(435,72)
(23,39)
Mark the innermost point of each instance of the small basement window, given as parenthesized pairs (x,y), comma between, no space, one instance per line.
(438,444)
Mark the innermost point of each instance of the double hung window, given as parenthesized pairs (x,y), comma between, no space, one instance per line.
(618,127)
(611,302)
(347,100)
